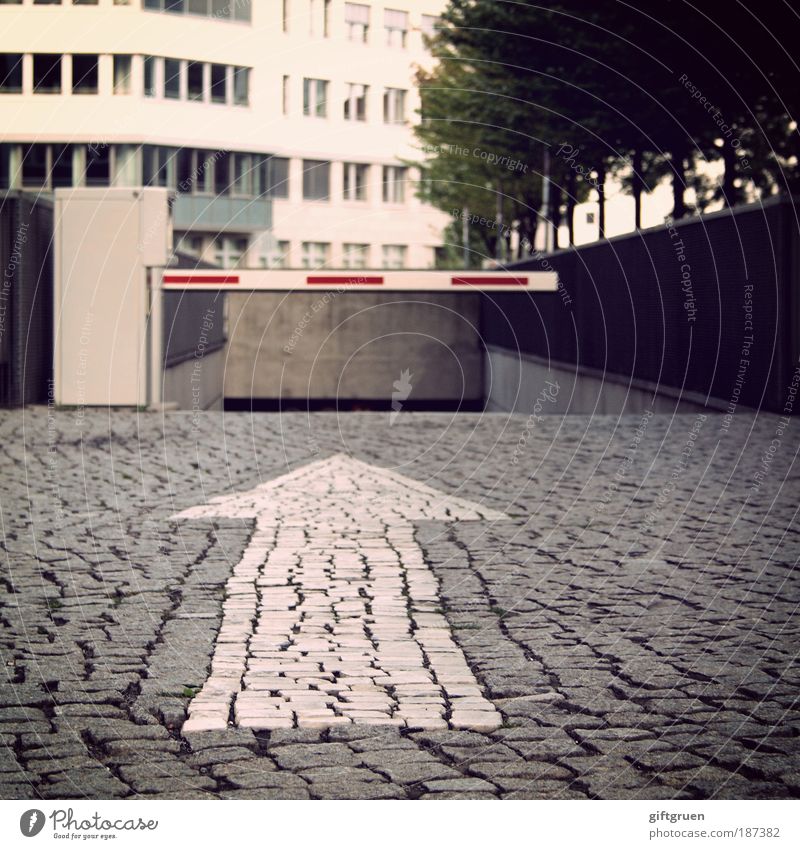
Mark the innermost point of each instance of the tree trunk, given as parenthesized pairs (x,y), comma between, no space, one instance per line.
(523,230)
(571,206)
(501,241)
(529,225)
(601,199)
(678,185)
(730,193)
(555,216)
(533,233)
(637,184)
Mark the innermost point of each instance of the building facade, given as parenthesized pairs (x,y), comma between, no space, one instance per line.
(282,126)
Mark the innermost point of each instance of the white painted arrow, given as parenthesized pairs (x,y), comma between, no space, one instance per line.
(332,615)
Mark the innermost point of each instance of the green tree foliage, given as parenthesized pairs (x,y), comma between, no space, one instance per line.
(644,91)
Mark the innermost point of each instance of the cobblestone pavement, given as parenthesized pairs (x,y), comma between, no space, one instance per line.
(632,616)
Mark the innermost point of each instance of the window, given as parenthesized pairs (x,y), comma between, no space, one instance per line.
(84,73)
(184,178)
(394,256)
(315,97)
(396,25)
(355,181)
(219,86)
(188,244)
(35,168)
(276,256)
(315,254)
(243,174)
(277,180)
(285,95)
(158,166)
(590,218)
(10,73)
(394,106)
(270,176)
(203,162)
(316,179)
(355,104)
(122,74)
(241,86)
(46,166)
(149,76)
(285,15)
(394,184)
(221,10)
(47,73)
(222,173)
(311,10)
(98,165)
(61,166)
(430,23)
(172,78)
(356,21)
(354,256)
(229,251)
(194,76)
(5,166)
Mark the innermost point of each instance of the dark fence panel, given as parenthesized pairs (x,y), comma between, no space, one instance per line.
(709,306)
(26,298)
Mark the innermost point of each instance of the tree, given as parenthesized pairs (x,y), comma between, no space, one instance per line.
(644,91)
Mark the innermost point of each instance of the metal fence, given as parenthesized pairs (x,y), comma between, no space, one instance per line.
(26,298)
(708,306)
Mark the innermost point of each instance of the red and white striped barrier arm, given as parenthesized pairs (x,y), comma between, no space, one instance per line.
(298,280)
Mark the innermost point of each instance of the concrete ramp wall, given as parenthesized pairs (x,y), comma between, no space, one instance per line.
(354,347)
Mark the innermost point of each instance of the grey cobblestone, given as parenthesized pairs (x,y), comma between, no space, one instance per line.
(632,652)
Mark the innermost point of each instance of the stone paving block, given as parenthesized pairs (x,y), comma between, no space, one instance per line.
(355,790)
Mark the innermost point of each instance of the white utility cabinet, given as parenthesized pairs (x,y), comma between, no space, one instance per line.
(106,240)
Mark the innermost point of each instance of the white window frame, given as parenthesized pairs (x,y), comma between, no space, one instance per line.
(315,97)
(351,183)
(394,256)
(394,183)
(276,257)
(356,21)
(315,254)
(224,253)
(355,255)
(429,25)
(394,105)
(351,101)
(122,84)
(395,25)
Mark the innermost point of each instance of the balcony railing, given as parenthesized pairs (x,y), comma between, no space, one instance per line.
(200,212)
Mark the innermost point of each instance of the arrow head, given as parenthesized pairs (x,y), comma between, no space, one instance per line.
(341,487)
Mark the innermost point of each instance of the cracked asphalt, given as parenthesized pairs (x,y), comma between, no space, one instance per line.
(633,618)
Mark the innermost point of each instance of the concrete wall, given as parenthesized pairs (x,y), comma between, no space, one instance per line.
(196,384)
(523,383)
(327,345)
